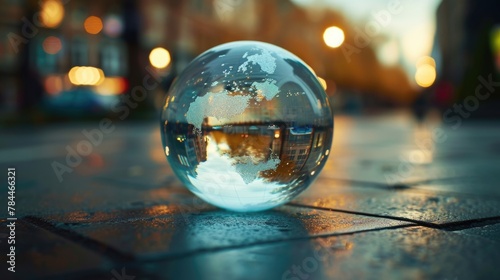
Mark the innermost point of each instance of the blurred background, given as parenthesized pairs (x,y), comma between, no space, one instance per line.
(75,59)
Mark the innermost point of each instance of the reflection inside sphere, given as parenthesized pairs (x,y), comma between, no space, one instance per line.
(247,126)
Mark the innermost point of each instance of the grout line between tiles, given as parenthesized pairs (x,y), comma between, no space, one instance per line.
(163,257)
(420,223)
(451,226)
(117,255)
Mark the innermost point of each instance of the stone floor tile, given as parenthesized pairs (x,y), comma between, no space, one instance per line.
(490,232)
(405,253)
(487,186)
(385,172)
(419,205)
(178,233)
(91,196)
(40,253)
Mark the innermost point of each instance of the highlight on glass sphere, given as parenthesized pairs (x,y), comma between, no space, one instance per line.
(247,126)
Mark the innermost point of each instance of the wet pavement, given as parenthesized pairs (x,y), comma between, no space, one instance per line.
(395,200)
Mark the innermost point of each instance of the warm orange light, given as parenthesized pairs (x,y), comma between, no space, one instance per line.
(52,13)
(111,86)
(333,37)
(93,25)
(425,76)
(86,76)
(53,85)
(52,45)
(159,58)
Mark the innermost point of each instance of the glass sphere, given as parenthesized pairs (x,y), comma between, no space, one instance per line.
(247,126)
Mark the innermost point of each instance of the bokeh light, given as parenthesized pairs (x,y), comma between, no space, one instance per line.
(52,13)
(333,36)
(495,45)
(112,86)
(52,45)
(84,75)
(495,34)
(93,25)
(159,58)
(113,26)
(425,75)
(53,85)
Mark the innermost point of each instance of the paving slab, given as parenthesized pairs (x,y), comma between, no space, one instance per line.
(396,151)
(90,196)
(40,253)
(160,233)
(405,253)
(487,186)
(388,173)
(418,205)
(410,165)
(490,232)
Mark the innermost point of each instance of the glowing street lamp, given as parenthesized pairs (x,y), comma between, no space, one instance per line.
(159,58)
(93,25)
(52,45)
(426,72)
(333,37)
(52,13)
(86,75)
(425,76)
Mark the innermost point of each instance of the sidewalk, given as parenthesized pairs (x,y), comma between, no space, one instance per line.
(393,201)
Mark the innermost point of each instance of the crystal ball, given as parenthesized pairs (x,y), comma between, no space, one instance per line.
(247,126)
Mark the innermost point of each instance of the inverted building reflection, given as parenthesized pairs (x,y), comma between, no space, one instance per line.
(299,148)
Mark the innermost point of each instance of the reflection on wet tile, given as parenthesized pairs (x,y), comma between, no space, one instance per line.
(83,217)
(407,253)
(40,253)
(176,203)
(93,196)
(473,185)
(198,229)
(385,172)
(391,151)
(428,206)
(268,261)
